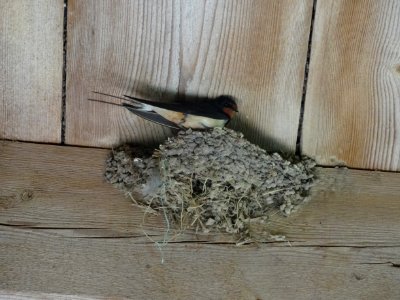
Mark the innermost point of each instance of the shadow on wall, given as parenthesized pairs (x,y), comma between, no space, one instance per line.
(259,137)
(254,135)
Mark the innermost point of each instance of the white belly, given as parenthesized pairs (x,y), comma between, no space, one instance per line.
(199,122)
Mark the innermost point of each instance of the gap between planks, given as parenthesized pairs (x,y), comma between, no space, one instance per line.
(64,74)
(306,70)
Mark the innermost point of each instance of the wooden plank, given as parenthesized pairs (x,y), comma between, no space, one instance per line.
(347,207)
(352,110)
(31,49)
(50,186)
(253,50)
(62,190)
(14,295)
(66,233)
(114,268)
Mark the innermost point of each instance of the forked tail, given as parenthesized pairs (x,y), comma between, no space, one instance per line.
(130,102)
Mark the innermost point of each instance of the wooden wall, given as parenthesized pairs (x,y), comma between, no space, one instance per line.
(31,49)
(254,50)
(352,109)
(67,234)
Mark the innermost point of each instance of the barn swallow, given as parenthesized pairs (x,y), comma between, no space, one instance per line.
(181,115)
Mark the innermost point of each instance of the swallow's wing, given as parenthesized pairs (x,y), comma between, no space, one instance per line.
(151,116)
(204,108)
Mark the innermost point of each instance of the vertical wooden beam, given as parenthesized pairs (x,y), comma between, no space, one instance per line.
(252,50)
(352,110)
(31,50)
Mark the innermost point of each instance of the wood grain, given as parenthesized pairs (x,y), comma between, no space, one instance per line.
(62,190)
(66,234)
(13,295)
(115,268)
(347,208)
(352,109)
(253,50)
(31,49)
(59,187)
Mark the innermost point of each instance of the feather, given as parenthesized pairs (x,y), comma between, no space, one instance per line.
(151,116)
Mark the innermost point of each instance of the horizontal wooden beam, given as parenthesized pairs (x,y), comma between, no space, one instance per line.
(65,231)
(115,268)
(55,187)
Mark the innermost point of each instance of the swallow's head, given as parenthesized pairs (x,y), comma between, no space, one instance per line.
(228,105)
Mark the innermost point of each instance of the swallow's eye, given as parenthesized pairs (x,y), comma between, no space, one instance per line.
(232,105)
(227,102)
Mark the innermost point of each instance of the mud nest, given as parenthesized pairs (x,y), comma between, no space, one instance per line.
(211,180)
